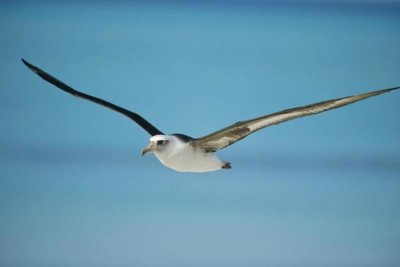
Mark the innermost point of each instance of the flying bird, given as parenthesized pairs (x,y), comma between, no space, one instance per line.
(186,154)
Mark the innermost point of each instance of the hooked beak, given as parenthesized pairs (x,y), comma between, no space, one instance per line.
(151,147)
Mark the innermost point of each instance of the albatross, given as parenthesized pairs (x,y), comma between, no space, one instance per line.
(183,153)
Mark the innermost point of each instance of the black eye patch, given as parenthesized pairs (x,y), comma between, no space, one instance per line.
(161,142)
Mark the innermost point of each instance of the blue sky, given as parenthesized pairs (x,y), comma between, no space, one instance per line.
(318,191)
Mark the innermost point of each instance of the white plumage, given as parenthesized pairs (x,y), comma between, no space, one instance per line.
(183,157)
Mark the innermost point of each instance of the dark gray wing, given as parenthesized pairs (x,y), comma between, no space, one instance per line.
(147,126)
(240,130)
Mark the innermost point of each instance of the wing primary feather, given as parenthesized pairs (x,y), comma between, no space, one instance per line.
(147,126)
(237,131)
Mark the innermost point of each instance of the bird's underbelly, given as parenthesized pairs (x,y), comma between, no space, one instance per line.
(191,161)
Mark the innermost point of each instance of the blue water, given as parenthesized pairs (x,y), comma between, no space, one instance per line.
(318,191)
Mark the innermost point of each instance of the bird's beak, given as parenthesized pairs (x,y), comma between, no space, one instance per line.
(151,147)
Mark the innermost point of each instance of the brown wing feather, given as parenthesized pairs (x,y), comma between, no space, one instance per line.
(231,134)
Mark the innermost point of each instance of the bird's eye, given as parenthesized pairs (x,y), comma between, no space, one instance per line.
(161,142)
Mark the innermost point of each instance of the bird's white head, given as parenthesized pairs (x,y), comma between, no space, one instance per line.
(158,143)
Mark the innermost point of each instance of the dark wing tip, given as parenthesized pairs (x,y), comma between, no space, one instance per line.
(30,66)
(393,88)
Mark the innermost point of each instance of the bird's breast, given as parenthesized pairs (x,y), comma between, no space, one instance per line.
(188,159)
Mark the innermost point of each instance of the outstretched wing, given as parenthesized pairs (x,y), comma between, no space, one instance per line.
(240,130)
(147,126)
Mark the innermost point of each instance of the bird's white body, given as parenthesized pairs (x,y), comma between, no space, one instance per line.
(182,157)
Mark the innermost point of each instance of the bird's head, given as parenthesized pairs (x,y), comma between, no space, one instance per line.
(158,143)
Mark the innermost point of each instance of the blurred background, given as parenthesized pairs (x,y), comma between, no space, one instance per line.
(318,191)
